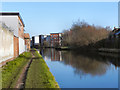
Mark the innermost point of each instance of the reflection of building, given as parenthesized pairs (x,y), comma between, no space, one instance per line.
(38,41)
(55,55)
(56,39)
(40,51)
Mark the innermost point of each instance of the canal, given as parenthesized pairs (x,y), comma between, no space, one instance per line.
(82,70)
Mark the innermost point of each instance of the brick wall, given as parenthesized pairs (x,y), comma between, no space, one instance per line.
(54,38)
(16,46)
(20,28)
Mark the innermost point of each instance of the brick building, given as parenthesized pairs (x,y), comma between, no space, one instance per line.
(56,39)
(27,41)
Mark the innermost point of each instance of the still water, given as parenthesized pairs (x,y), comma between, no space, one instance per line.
(83,70)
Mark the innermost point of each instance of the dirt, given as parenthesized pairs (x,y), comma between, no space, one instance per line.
(22,78)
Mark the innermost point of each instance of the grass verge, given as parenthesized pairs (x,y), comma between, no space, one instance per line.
(12,69)
(39,75)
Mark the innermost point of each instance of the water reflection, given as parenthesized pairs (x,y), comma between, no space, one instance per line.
(83,63)
(52,54)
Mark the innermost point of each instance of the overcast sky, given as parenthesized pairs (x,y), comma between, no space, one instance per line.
(48,17)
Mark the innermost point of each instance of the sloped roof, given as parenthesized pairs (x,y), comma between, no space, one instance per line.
(26,36)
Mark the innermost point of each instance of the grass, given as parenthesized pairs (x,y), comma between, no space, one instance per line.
(39,75)
(12,69)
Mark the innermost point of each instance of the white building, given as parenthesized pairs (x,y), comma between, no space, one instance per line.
(14,23)
(38,41)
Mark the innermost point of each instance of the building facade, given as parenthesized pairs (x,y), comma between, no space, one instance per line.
(38,41)
(56,39)
(12,22)
(47,41)
(27,41)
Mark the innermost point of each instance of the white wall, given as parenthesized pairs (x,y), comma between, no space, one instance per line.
(11,22)
(6,45)
(36,39)
(21,45)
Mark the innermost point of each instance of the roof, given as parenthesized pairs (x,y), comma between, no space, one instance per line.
(26,35)
(55,33)
(37,35)
(12,13)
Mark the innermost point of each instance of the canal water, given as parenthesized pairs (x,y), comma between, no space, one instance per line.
(82,69)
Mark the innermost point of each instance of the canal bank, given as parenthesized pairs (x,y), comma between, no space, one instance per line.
(108,50)
(39,75)
(91,49)
(29,70)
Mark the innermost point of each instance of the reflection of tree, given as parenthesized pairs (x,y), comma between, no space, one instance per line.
(85,65)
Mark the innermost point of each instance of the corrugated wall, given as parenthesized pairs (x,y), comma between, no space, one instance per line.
(6,45)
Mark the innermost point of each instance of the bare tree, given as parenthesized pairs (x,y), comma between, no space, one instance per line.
(81,34)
